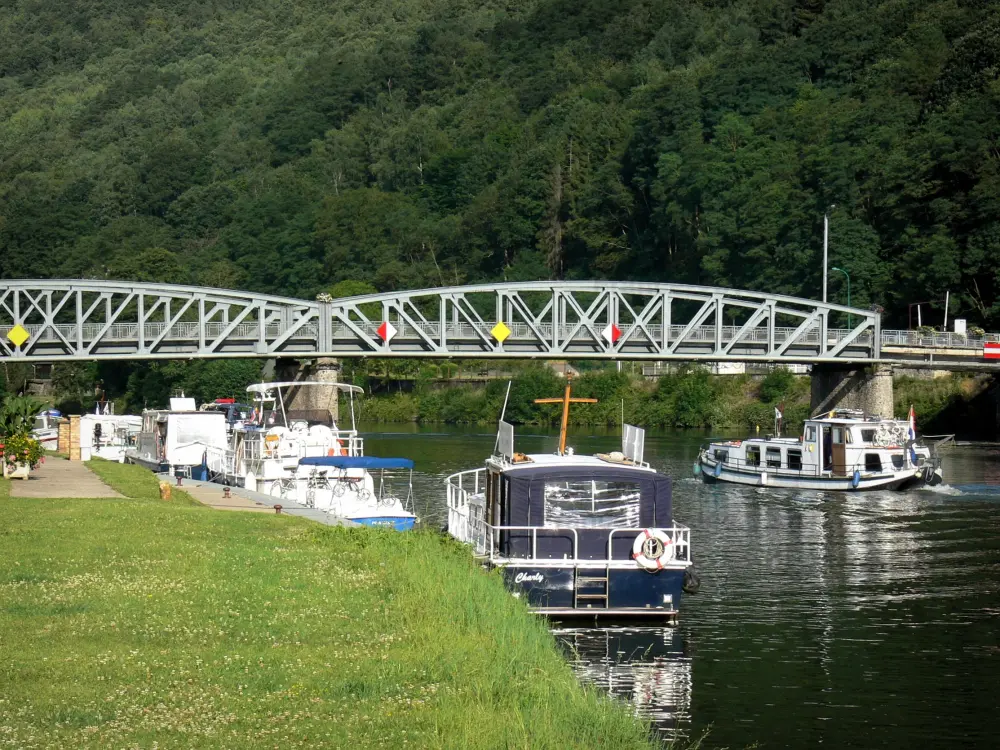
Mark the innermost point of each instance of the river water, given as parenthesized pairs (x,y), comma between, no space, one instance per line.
(852,620)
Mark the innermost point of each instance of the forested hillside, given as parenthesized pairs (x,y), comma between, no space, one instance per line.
(286,145)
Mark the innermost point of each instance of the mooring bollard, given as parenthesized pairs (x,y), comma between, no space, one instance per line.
(277,509)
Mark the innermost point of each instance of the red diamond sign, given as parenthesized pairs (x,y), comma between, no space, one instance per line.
(386,331)
(612,333)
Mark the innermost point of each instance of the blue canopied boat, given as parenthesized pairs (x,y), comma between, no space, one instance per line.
(576,536)
(362,489)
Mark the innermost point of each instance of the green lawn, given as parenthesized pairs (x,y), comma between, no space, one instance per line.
(129,622)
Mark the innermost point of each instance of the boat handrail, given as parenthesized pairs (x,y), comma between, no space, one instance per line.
(495,538)
(680,535)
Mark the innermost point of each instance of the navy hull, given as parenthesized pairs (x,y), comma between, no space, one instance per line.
(568,592)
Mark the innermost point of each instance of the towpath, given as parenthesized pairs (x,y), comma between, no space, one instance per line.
(211,494)
(59,478)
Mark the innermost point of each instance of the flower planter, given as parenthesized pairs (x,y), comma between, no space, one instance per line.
(16,471)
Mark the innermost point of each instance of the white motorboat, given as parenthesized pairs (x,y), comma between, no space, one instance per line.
(46,429)
(308,458)
(843,450)
(179,440)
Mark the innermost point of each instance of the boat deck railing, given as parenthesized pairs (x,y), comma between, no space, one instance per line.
(298,445)
(466,497)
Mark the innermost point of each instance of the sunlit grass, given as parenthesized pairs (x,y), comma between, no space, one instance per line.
(132,621)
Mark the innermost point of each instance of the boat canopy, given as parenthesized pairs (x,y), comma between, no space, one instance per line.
(265,387)
(526,491)
(357,462)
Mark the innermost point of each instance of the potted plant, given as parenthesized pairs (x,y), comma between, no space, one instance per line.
(21,454)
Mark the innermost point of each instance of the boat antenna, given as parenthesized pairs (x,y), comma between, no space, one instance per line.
(566,400)
(503,413)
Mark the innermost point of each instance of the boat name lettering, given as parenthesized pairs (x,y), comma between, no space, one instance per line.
(526,577)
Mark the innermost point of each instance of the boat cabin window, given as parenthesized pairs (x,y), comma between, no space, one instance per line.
(897,460)
(873,462)
(721,455)
(591,505)
(774,458)
(868,436)
(794,458)
(838,434)
(810,433)
(753,455)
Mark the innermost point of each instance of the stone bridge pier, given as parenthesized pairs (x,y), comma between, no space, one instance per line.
(842,386)
(314,403)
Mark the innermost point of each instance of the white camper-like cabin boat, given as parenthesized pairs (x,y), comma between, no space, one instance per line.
(843,451)
(108,436)
(179,440)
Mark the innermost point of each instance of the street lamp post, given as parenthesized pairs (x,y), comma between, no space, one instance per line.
(848,291)
(826,243)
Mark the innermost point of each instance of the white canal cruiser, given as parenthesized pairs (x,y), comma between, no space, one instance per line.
(843,450)
(179,440)
(308,458)
(576,536)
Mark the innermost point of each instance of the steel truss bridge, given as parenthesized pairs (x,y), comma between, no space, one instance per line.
(59,320)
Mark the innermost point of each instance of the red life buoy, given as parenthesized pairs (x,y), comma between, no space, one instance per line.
(652,549)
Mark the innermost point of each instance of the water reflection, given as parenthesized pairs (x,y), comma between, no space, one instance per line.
(645,666)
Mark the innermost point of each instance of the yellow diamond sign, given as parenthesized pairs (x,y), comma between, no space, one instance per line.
(17,335)
(500,332)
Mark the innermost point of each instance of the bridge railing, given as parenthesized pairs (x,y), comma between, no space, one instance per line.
(192,331)
(937,339)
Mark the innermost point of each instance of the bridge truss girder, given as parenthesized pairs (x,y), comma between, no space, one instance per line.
(87,320)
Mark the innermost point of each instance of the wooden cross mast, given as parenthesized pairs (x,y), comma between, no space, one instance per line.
(565,401)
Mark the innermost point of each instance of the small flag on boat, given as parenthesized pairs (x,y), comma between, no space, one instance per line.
(911,434)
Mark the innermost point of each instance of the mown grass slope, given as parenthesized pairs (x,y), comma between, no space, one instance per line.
(129,622)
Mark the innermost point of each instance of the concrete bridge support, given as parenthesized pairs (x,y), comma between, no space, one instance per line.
(314,402)
(868,389)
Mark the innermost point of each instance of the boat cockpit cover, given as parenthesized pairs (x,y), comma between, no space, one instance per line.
(357,462)
(525,501)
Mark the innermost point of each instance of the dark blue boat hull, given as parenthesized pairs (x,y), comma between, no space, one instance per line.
(630,592)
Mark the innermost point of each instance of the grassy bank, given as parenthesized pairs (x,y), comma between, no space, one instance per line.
(690,398)
(132,622)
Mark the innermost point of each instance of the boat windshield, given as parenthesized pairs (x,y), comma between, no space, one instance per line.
(591,504)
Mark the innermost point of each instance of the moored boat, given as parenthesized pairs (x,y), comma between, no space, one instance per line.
(179,440)
(46,429)
(840,451)
(308,458)
(576,536)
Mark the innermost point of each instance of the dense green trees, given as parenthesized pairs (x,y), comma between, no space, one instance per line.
(285,147)
(288,146)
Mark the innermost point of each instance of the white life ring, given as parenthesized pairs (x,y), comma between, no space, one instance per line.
(652,549)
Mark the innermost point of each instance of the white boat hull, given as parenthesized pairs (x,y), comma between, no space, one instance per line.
(711,472)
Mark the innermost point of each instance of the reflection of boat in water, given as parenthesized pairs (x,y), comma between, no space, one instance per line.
(645,666)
